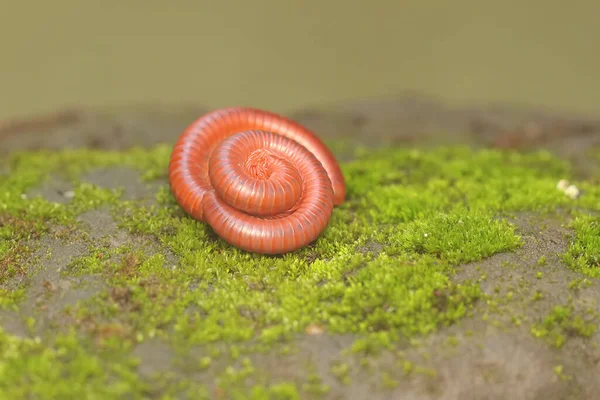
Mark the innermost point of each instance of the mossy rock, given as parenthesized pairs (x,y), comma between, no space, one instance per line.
(455,269)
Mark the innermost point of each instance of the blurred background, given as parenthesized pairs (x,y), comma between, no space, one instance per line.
(285,55)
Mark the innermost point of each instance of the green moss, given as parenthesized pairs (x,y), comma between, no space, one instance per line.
(30,368)
(28,170)
(562,323)
(559,371)
(538,295)
(22,217)
(10,298)
(583,254)
(315,386)
(388,382)
(539,275)
(579,283)
(382,271)
(542,260)
(341,371)
(455,237)
(402,185)
(284,391)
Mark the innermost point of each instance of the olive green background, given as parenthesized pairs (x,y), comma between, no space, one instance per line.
(289,54)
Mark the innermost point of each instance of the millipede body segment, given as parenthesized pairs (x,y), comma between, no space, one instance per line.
(264,183)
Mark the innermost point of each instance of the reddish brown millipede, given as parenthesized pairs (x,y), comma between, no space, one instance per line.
(263,182)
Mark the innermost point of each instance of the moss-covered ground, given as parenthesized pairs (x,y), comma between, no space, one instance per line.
(108,290)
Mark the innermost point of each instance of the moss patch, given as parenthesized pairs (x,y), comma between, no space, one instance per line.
(584,253)
(381,272)
(561,323)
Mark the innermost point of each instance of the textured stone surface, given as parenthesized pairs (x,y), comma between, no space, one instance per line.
(489,361)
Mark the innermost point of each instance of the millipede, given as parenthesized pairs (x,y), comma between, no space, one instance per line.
(263,182)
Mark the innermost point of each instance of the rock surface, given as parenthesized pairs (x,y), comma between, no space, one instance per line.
(497,362)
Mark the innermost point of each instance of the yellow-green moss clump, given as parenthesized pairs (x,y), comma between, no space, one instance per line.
(561,323)
(381,271)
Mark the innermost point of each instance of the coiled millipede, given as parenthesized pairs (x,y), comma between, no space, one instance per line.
(264,183)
